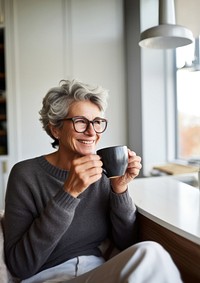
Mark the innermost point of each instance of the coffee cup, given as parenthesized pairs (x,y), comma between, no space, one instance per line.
(115,160)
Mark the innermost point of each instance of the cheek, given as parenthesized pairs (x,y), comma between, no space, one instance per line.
(98,137)
(68,142)
(70,139)
(67,136)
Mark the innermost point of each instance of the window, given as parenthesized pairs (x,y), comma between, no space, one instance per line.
(188,102)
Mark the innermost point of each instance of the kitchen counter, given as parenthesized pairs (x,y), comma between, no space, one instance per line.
(169,213)
(170,203)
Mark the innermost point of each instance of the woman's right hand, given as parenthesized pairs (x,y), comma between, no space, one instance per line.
(84,171)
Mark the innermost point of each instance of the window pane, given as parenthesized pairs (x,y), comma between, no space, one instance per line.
(188,110)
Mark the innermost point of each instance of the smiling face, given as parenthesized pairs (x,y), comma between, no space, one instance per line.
(73,143)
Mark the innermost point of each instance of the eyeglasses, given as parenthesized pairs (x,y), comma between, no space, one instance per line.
(81,124)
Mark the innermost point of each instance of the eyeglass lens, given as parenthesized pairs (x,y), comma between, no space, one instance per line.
(81,124)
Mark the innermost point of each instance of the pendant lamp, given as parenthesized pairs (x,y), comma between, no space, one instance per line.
(167,34)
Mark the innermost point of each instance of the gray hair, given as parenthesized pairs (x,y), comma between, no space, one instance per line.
(58,100)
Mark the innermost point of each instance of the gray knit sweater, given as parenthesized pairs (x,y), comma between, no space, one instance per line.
(45,226)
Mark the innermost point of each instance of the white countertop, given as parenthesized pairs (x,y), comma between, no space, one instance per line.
(170,203)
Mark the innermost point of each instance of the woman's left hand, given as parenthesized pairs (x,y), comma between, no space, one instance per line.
(119,184)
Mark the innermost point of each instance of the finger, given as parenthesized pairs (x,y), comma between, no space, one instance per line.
(82,175)
(86,158)
(134,162)
(136,165)
(135,172)
(91,166)
(131,153)
(87,162)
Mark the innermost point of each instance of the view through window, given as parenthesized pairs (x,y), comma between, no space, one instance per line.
(188,102)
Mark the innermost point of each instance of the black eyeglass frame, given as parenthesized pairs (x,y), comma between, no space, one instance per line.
(73,119)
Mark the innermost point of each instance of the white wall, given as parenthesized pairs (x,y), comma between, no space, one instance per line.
(52,40)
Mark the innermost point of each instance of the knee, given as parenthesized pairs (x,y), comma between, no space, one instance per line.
(149,249)
(153,250)
(150,246)
(151,262)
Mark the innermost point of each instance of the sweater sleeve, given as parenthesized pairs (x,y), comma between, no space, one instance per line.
(123,219)
(33,225)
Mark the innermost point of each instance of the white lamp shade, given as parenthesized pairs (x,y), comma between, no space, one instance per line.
(166,36)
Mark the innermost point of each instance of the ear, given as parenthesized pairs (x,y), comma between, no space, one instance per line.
(54,131)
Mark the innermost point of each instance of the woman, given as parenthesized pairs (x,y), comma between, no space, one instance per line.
(60,207)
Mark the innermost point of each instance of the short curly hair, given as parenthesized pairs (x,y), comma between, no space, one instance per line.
(57,101)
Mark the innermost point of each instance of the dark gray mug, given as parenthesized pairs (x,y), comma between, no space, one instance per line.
(115,160)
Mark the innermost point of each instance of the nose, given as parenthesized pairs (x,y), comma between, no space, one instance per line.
(90,130)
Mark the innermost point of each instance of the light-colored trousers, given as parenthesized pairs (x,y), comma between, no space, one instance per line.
(145,262)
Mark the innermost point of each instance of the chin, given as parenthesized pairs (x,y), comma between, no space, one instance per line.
(92,151)
(87,151)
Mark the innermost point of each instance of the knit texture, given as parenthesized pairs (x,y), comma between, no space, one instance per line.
(45,226)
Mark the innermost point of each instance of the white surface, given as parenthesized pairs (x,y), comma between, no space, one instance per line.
(70,39)
(170,203)
(85,39)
